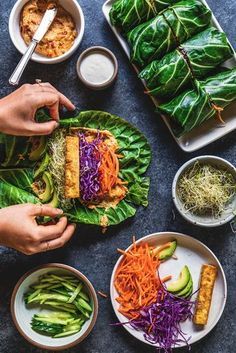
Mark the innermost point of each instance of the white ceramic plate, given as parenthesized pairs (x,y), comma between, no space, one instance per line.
(208,131)
(194,254)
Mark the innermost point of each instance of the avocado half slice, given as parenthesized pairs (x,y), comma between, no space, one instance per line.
(38,148)
(186,291)
(181,282)
(168,252)
(47,194)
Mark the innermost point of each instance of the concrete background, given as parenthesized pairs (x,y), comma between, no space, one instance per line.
(90,251)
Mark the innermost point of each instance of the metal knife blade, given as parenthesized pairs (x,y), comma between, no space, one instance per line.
(44,25)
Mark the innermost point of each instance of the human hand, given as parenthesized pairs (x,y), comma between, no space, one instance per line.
(19,229)
(17,110)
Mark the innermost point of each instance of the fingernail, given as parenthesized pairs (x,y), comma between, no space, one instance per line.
(73,224)
(59,211)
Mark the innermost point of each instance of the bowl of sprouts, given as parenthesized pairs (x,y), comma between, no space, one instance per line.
(204,191)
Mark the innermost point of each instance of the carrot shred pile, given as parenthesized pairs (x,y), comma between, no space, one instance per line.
(136,280)
(109,169)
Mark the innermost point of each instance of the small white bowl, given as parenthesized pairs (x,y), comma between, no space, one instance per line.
(71,6)
(22,315)
(204,221)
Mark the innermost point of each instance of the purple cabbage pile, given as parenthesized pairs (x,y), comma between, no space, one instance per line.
(90,160)
(161,321)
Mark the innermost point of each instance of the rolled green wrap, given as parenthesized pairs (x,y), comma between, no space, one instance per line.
(206,100)
(153,39)
(194,59)
(127,14)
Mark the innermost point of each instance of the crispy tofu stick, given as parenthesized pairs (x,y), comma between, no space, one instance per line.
(72,188)
(207,281)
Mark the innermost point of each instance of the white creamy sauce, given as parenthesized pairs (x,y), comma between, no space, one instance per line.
(97,68)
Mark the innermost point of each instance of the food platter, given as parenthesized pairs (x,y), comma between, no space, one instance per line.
(209,131)
(195,254)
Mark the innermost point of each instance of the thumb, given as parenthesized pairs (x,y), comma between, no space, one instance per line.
(42,128)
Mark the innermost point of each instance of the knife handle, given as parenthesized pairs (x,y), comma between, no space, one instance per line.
(15,77)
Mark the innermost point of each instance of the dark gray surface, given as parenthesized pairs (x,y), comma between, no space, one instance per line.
(90,251)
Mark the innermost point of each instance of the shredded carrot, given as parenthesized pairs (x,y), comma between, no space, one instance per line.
(136,279)
(109,169)
(104,295)
(166,278)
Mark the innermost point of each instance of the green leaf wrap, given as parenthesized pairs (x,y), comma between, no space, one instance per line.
(15,182)
(127,14)
(170,75)
(193,107)
(153,39)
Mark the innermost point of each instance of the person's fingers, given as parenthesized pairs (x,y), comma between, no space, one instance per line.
(41,128)
(47,87)
(49,99)
(50,232)
(44,210)
(60,241)
(63,99)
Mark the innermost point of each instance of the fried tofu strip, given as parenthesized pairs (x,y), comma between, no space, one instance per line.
(207,281)
(72,188)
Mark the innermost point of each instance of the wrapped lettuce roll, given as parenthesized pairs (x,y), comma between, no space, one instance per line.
(192,60)
(153,39)
(206,100)
(127,14)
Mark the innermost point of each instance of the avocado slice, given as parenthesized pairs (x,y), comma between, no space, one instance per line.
(168,252)
(54,201)
(42,166)
(189,293)
(47,194)
(187,289)
(181,282)
(38,152)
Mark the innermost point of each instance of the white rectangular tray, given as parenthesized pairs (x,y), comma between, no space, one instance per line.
(210,130)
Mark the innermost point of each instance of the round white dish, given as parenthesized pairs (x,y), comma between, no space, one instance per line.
(72,6)
(205,221)
(194,254)
(22,315)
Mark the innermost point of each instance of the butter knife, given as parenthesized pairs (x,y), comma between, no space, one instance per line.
(42,29)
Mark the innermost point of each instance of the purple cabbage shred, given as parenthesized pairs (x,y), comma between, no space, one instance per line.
(161,321)
(90,160)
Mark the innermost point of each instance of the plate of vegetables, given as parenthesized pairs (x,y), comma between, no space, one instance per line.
(54,306)
(93,167)
(184,60)
(168,290)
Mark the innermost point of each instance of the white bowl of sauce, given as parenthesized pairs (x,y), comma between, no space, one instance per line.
(71,7)
(97,68)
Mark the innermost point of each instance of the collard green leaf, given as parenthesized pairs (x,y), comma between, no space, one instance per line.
(112,216)
(153,39)
(16,150)
(126,14)
(193,107)
(196,58)
(12,195)
(21,178)
(138,192)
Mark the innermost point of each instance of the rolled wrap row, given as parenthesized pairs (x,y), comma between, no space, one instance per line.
(153,39)
(194,59)
(206,100)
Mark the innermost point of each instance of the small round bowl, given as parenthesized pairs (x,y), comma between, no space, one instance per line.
(106,52)
(205,221)
(71,6)
(22,316)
